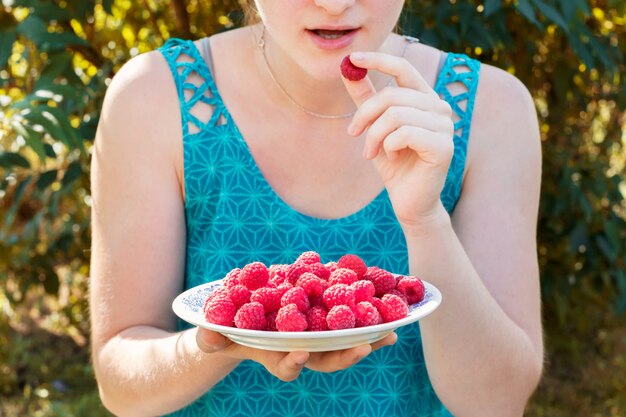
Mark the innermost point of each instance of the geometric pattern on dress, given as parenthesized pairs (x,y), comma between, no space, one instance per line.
(233,217)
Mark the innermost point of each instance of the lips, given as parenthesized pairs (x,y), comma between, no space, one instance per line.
(332,37)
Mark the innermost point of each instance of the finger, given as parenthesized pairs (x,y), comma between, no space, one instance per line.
(388,340)
(360,90)
(285,366)
(395,117)
(371,109)
(211,342)
(434,148)
(403,71)
(339,359)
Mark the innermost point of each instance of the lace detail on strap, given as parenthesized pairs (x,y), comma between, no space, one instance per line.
(458,68)
(200,105)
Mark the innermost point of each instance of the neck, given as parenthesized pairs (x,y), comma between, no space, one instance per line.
(324,96)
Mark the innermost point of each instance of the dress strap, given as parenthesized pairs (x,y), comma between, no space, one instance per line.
(463,73)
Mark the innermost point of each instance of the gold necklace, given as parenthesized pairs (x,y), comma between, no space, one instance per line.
(261,44)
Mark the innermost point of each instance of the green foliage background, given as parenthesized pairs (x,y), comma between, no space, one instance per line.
(57,58)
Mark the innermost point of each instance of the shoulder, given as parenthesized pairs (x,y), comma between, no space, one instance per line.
(504,123)
(141,106)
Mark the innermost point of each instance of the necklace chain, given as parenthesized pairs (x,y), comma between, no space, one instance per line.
(261,45)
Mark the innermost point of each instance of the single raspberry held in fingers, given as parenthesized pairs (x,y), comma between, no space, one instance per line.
(316,319)
(254,275)
(339,294)
(367,315)
(268,297)
(342,276)
(310,257)
(290,319)
(351,71)
(413,288)
(354,263)
(340,317)
(220,310)
(251,316)
(393,308)
(296,296)
(364,290)
(239,295)
(384,281)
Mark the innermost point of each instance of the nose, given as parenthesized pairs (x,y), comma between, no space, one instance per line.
(334,7)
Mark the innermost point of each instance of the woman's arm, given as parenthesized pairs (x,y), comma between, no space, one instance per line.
(142,365)
(483,347)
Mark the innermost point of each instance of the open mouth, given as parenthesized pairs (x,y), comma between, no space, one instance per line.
(331,34)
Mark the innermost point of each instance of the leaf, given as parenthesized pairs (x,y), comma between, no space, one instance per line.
(12,159)
(552,14)
(73,172)
(32,138)
(528,11)
(46,179)
(492,6)
(7,38)
(40,116)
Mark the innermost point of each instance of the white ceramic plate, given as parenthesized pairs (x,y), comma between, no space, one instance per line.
(188,306)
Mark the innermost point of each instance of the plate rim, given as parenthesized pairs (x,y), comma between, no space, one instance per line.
(423,311)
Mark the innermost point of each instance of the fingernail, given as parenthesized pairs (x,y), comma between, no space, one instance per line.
(357,56)
(352,129)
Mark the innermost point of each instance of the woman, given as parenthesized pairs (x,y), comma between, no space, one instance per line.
(250,146)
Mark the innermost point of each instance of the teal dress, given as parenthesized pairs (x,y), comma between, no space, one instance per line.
(234,217)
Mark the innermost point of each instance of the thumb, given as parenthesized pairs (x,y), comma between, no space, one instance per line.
(211,342)
(360,90)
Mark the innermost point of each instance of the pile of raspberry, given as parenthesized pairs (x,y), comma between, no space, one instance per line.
(308,295)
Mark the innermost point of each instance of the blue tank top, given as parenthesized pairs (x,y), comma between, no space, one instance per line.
(234,217)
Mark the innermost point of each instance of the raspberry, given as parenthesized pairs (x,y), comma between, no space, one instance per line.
(251,316)
(320,270)
(219,291)
(316,319)
(239,295)
(296,296)
(270,319)
(413,288)
(339,294)
(278,273)
(268,297)
(367,315)
(364,290)
(311,284)
(220,310)
(254,275)
(284,287)
(331,266)
(383,281)
(232,278)
(317,301)
(342,276)
(354,263)
(295,270)
(340,317)
(308,258)
(290,319)
(399,294)
(351,71)
(393,308)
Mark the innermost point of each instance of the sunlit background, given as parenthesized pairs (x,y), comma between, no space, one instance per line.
(58,57)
